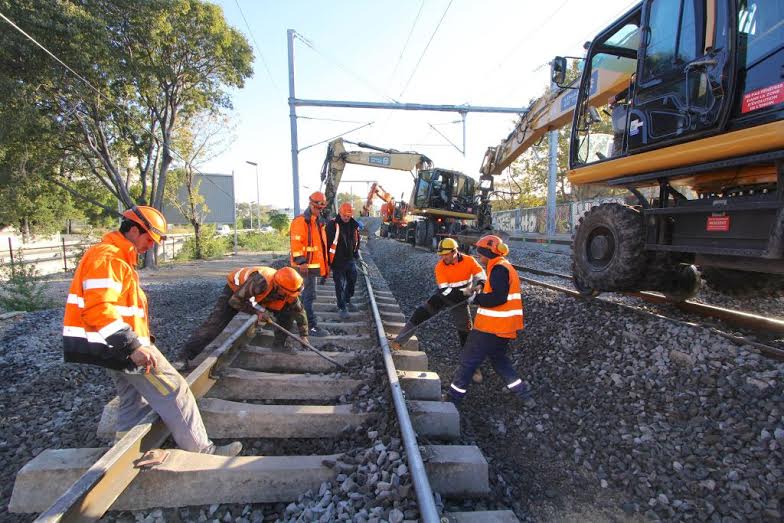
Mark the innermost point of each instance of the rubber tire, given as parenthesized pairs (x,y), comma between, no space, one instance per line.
(626,265)
(420,233)
(742,283)
(690,284)
(432,239)
(581,287)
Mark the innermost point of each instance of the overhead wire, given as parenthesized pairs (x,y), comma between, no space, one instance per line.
(101,95)
(327,119)
(261,54)
(422,55)
(408,39)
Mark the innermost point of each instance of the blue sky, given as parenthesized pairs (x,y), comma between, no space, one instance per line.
(489,52)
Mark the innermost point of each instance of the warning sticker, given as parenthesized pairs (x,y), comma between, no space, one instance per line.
(764,97)
(718,224)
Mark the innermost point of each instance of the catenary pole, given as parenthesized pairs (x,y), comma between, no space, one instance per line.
(293,123)
(552,175)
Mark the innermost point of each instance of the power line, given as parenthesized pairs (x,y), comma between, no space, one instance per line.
(326,119)
(345,69)
(99,93)
(261,55)
(408,39)
(425,49)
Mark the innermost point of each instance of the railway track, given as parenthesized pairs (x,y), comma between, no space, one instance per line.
(744,320)
(292,404)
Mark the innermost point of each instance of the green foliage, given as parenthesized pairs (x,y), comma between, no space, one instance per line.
(210,246)
(280,222)
(261,241)
(22,289)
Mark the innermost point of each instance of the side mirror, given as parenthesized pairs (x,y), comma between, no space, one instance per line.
(558,71)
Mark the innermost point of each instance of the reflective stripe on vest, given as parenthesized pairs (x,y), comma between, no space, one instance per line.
(505,319)
(334,246)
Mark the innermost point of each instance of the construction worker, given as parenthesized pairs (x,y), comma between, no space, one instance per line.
(309,253)
(107,324)
(457,276)
(343,241)
(268,293)
(498,318)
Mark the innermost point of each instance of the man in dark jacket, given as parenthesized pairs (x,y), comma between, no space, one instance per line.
(343,241)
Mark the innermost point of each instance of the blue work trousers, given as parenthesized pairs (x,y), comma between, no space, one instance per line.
(345,278)
(308,297)
(478,346)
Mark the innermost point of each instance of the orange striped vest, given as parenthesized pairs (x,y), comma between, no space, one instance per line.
(240,276)
(506,319)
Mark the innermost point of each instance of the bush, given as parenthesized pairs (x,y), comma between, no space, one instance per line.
(23,289)
(263,241)
(212,246)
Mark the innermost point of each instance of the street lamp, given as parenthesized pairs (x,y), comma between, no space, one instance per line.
(258,199)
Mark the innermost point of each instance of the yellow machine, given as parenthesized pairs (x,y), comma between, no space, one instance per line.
(696,110)
(442,199)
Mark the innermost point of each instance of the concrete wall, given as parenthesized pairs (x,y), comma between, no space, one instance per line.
(533,220)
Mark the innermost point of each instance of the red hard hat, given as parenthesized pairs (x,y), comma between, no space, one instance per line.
(150,219)
(288,280)
(346,209)
(494,244)
(319,199)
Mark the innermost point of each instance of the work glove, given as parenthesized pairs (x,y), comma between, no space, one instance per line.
(479,287)
(471,298)
(263,317)
(467,291)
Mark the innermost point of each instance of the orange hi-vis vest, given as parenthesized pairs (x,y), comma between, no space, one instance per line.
(104,301)
(308,239)
(459,274)
(240,276)
(334,246)
(506,319)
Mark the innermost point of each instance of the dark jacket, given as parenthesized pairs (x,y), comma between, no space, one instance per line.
(347,246)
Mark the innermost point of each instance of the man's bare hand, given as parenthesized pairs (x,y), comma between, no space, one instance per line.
(145,357)
(305,340)
(263,317)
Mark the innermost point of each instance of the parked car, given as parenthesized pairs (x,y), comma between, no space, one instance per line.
(267,228)
(223,230)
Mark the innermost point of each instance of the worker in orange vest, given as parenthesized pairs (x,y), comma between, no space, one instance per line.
(268,293)
(343,241)
(308,240)
(106,323)
(498,319)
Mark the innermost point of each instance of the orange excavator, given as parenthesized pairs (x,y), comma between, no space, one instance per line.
(394,215)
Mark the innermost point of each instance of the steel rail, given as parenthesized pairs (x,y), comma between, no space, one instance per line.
(98,488)
(427,506)
(736,317)
(767,350)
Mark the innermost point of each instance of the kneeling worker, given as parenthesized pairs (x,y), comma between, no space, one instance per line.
(498,318)
(107,324)
(263,291)
(457,276)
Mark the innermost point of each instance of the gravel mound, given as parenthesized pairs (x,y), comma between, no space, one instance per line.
(636,417)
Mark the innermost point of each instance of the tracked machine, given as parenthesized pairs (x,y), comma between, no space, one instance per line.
(692,92)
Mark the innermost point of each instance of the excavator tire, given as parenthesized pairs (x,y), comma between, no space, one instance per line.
(584,290)
(742,283)
(608,252)
(689,283)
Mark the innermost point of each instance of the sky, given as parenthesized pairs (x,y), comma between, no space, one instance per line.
(480,53)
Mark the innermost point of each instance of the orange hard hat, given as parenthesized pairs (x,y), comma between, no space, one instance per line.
(288,280)
(346,209)
(148,218)
(319,199)
(493,244)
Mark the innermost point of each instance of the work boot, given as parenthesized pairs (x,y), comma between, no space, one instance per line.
(229,451)
(477,377)
(343,314)
(351,307)
(318,332)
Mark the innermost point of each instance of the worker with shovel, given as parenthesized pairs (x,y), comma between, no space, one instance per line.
(458,276)
(263,291)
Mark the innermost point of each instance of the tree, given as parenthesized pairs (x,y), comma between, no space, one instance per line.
(204,137)
(279,222)
(145,65)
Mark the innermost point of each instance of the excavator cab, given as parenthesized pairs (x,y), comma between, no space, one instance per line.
(441,189)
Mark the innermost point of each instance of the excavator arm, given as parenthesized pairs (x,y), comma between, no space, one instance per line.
(376,191)
(338,157)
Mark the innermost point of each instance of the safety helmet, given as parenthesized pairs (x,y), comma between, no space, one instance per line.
(148,218)
(447,245)
(346,209)
(288,280)
(493,244)
(318,199)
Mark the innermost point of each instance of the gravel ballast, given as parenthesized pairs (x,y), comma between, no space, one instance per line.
(636,417)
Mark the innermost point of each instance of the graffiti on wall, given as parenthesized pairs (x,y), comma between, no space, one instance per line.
(534,219)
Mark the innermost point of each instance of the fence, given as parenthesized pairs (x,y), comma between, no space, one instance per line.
(533,220)
(63,257)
